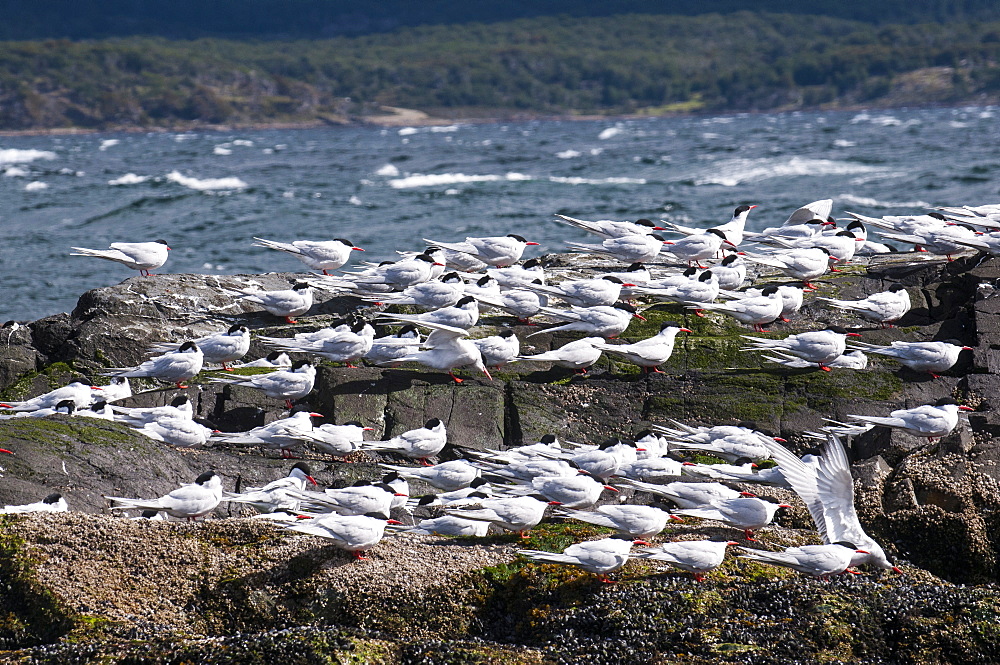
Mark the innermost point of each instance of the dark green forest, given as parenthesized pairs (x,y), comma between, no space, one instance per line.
(630,64)
(312,19)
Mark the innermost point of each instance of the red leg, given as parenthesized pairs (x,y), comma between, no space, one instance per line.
(452,375)
(290,319)
(749,534)
(180,386)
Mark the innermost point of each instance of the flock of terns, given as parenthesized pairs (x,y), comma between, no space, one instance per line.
(516,489)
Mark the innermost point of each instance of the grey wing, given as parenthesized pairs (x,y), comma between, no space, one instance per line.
(835,487)
(803,479)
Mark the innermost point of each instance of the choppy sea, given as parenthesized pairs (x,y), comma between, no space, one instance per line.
(209,193)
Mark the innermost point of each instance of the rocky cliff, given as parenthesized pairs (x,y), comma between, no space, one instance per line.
(87,586)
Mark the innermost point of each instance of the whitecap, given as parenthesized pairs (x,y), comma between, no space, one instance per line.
(568,154)
(288,194)
(389,170)
(354,201)
(407,131)
(844,143)
(875,203)
(206,184)
(220,150)
(428,180)
(107,143)
(710,135)
(739,171)
(610,132)
(129,179)
(35,186)
(16,156)
(597,181)
(452,192)
(15,172)
(243,142)
(957,124)
(596,151)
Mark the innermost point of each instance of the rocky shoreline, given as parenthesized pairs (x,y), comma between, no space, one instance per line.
(86,587)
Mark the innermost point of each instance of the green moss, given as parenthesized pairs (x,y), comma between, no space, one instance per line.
(52,376)
(56,431)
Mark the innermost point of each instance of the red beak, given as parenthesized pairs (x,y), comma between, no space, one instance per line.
(317,415)
(487,373)
(531,243)
(4,450)
(357,249)
(312,480)
(779,439)
(685,330)
(640,317)
(367,429)
(393,522)
(641,542)
(784,505)
(853,335)
(751,494)
(751,207)
(555,503)
(966,348)
(965,408)
(627,284)
(613,489)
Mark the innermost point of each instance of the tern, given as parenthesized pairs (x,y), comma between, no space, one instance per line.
(694,556)
(582,490)
(826,487)
(696,248)
(398,275)
(428,295)
(756,310)
(179,431)
(930,357)
(463,314)
(354,533)
(688,495)
(576,355)
(274,360)
(747,513)
(801,264)
(188,501)
(635,521)
(447,476)
(791,298)
(606,322)
(931,420)
(338,440)
(731,273)
(283,434)
(520,514)
(175,367)
(649,353)
(595,556)
(451,525)
(53,503)
(445,349)
(274,495)
(287,303)
(141,256)
(360,498)
(732,230)
(606,228)
(884,307)
(419,444)
(346,346)
(389,347)
(497,251)
(638,248)
(820,347)
(816,560)
(220,348)
(585,292)
(288,384)
(518,275)
(321,255)
(179,407)
(80,391)
(498,350)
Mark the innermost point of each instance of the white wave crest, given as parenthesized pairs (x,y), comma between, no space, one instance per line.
(35,186)
(597,181)
(16,156)
(739,171)
(206,184)
(568,154)
(875,203)
(221,150)
(610,133)
(388,170)
(15,172)
(129,179)
(429,180)
(107,143)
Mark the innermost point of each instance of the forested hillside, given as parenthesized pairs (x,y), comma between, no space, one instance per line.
(290,19)
(613,65)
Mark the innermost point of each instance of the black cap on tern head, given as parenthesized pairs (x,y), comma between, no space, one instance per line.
(479,482)
(896,288)
(361,483)
(846,543)
(390,477)
(657,236)
(944,401)
(730,260)
(937,215)
(705,276)
(716,232)
(432,423)
(299,364)
(856,225)
(824,250)
(344,241)
(451,277)
(516,237)
(188,346)
(66,404)
(378,516)
(303,467)
(645,222)
(300,286)
(625,306)
(98,405)
(163,242)
(612,279)
(478,495)
(531,263)
(359,326)
(635,267)
(272,356)
(483,281)
(424,257)
(180,400)
(609,443)
(548,438)
(205,477)
(741,209)
(688,272)
(352,423)
(670,324)
(507,334)
(383,486)
(52,498)
(426,499)
(465,301)
(846,234)
(769,290)
(235,329)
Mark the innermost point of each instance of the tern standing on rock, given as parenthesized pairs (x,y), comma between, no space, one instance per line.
(286,303)
(287,384)
(176,367)
(319,255)
(188,501)
(141,256)
(595,556)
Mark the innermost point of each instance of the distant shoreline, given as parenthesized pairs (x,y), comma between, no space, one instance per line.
(416,118)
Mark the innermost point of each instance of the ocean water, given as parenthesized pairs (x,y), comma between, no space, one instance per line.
(209,193)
